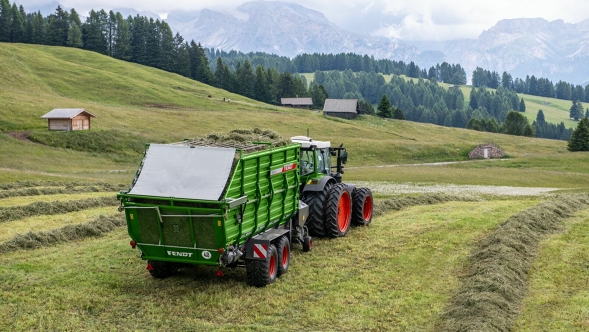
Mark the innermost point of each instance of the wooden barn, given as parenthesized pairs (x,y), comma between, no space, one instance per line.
(342,108)
(296,102)
(67,119)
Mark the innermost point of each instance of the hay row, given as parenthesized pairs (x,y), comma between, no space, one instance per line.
(32,184)
(496,278)
(398,203)
(54,190)
(34,240)
(51,208)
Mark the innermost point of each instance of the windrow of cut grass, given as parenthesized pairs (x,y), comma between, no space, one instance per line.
(34,240)
(398,203)
(37,191)
(496,280)
(49,208)
(45,183)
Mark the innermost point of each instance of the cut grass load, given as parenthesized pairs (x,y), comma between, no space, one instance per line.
(496,280)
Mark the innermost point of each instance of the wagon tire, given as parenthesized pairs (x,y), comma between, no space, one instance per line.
(261,272)
(283,253)
(316,201)
(307,243)
(338,214)
(161,270)
(362,206)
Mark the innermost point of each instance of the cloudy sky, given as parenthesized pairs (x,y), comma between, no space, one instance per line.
(406,19)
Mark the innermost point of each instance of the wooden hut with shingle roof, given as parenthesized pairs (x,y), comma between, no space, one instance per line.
(341,108)
(296,102)
(67,119)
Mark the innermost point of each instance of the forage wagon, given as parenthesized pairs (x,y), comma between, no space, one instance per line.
(239,204)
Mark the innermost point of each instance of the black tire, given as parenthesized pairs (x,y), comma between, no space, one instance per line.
(307,243)
(261,272)
(162,270)
(338,214)
(283,254)
(362,205)
(316,201)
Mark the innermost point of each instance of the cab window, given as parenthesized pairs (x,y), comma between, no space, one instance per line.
(307,162)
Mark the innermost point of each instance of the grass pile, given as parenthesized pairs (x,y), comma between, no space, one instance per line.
(398,203)
(51,208)
(35,240)
(240,137)
(496,279)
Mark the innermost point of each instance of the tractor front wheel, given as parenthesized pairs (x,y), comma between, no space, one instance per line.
(339,211)
(261,272)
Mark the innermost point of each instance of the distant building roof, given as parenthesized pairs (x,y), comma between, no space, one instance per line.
(65,113)
(296,101)
(341,106)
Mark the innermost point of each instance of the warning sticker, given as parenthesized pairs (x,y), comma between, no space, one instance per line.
(260,250)
(206,254)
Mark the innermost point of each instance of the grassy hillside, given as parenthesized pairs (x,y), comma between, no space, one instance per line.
(150,105)
(66,263)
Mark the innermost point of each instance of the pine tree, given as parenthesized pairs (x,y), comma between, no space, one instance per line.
(17,31)
(74,36)
(5,20)
(576,110)
(384,108)
(398,113)
(517,124)
(522,106)
(540,117)
(261,91)
(579,140)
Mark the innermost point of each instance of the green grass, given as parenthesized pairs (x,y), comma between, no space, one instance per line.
(396,274)
(558,294)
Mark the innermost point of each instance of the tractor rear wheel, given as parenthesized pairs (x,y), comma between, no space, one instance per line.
(283,253)
(339,211)
(362,204)
(162,270)
(316,201)
(261,272)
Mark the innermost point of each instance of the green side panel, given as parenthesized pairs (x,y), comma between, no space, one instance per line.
(204,233)
(148,220)
(270,200)
(176,230)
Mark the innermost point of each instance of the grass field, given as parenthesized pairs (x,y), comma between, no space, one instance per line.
(399,274)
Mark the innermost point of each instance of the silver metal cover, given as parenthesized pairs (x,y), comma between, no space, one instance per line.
(184,172)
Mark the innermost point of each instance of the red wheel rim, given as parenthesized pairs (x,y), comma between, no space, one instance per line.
(367,209)
(272,268)
(285,256)
(344,212)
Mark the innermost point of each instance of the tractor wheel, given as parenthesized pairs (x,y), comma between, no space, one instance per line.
(316,201)
(339,211)
(283,253)
(362,204)
(307,243)
(162,270)
(261,272)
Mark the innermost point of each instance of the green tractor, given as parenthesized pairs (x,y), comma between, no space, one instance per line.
(333,205)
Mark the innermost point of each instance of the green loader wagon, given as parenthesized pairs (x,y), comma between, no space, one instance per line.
(232,205)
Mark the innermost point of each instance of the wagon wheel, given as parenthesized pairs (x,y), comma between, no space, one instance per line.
(261,272)
(161,270)
(283,253)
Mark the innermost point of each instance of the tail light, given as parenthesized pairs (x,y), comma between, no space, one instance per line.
(133,244)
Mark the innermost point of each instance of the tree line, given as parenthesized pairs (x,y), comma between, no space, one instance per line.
(531,85)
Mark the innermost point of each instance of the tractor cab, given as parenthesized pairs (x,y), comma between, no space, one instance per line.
(315,160)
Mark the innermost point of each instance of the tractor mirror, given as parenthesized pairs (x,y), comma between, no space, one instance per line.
(332,153)
(343,157)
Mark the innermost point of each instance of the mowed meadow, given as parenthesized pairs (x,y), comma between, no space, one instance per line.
(66,263)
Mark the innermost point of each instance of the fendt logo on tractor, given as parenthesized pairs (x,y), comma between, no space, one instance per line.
(181,254)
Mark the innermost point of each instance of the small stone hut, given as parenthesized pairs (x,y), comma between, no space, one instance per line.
(342,108)
(67,119)
(486,151)
(296,102)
